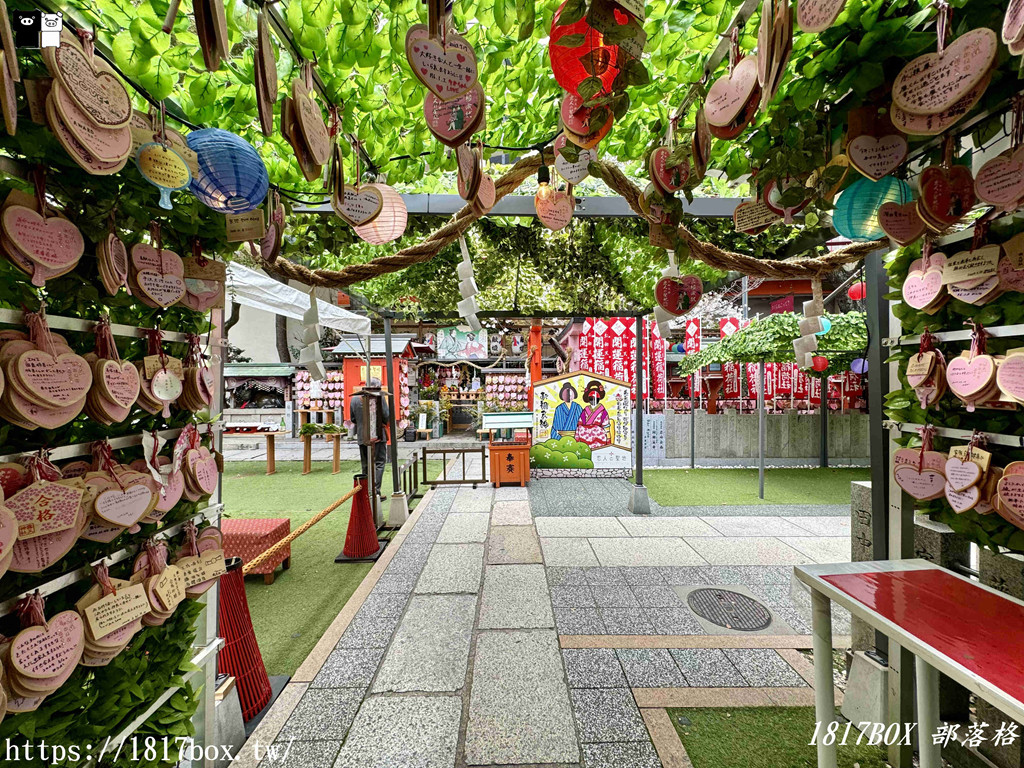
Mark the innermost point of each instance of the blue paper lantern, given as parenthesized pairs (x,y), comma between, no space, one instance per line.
(856,213)
(232,177)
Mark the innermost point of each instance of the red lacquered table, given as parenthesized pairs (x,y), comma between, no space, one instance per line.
(952,625)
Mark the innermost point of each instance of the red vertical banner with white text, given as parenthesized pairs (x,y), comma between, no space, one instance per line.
(731,387)
(657,350)
(691,341)
(608,348)
(784,379)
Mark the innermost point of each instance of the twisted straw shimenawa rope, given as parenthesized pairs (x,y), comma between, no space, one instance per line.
(710,254)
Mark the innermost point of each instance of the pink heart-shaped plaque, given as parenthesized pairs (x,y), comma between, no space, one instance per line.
(877,157)
(974,291)
(1000,181)
(203,466)
(124,507)
(448,71)
(8,531)
(1010,279)
(555,210)
(912,457)
(167,262)
(968,378)
(1011,494)
(1010,377)
(901,222)
(50,650)
(730,94)
(454,121)
(927,484)
(163,289)
(934,82)
(961,501)
(119,382)
(56,381)
(170,492)
(961,475)
(52,243)
(921,289)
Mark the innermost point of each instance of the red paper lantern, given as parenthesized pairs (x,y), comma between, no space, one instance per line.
(572,66)
(819,363)
(857,291)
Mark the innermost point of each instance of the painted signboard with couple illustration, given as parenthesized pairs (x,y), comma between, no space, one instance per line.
(581,420)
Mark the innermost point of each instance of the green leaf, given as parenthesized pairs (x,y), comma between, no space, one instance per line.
(203,90)
(128,55)
(573,11)
(525,16)
(572,41)
(589,88)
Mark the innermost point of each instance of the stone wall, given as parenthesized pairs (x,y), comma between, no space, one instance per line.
(732,435)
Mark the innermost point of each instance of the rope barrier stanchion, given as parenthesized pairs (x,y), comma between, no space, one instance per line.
(262,557)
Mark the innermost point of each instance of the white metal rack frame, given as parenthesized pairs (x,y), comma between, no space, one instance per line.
(207,641)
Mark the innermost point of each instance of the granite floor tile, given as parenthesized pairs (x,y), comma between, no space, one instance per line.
(307,721)
(513,544)
(641,576)
(625,621)
(746,550)
(667,526)
(409,556)
(764,668)
(430,652)
(650,668)
(614,597)
(625,754)
(572,597)
(473,500)
(511,512)
(301,754)
(385,603)
(578,621)
(348,668)
(511,493)
(421,732)
(519,710)
(648,551)
(657,597)
(369,630)
(515,597)
(747,575)
(561,576)
(607,714)
(823,526)
(684,575)
(593,668)
(400,582)
(605,577)
(754,526)
(464,528)
(570,527)
(708,668)
(572,552)
(821,549)
(673,621)
(452,568)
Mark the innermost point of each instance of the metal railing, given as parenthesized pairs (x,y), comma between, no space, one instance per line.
(409,478)
(463,452)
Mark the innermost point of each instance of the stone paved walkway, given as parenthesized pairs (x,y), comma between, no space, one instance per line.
(500,633)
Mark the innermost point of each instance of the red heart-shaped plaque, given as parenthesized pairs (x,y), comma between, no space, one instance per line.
(947,193)
(671,178)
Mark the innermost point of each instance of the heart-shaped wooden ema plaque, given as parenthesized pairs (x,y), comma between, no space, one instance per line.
(101,95)
(1011,492)
(53,243)
(818,15)
(54,381)
(947,194)
(967,378)
(961,475)
(876,157)
(576,172)
(455,120)
(50,650)
(1010,279)
(677,296)
(1010,376)
(926,484)
(961,501)
(575,116)
(932,83)
(447,71)
(975,292)
(912,457)
(730,94)
(163,290)
(8,532)
(124,507)
(203,466)
(360,206)
(1000,181)
(933,125)
(901,222)
(1013,22)
(671,178)
(554,210)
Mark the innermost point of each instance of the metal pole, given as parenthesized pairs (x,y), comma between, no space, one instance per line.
(639,448)
(824,423)
(746,282)
(393,396)
(760,430)
(824,693)
(693,421)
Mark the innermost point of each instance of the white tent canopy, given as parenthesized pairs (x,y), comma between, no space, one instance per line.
(260,291)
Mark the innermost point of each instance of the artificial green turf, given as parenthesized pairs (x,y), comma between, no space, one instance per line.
(762,737)
(710,487)
(291,614)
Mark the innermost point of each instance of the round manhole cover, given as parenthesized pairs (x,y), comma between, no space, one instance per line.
(731,610)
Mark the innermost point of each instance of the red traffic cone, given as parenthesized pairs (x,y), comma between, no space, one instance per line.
(361,538)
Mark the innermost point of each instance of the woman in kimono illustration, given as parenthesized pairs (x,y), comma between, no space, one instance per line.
(567,414)
(594,425)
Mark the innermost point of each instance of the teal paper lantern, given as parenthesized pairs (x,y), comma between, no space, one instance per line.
(232,177)
(856,213)
(826,326)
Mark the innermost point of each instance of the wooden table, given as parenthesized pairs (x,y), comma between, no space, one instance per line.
(248,537)
(953,626)
(271,444)
(307,452)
